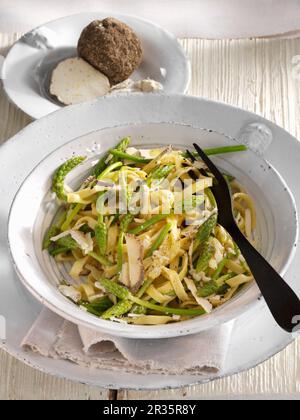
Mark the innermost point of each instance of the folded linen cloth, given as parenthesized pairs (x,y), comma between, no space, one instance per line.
(198,354)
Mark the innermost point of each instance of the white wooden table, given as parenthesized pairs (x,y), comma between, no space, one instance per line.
(257,75)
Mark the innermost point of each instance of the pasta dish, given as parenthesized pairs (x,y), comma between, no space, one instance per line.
(142,236)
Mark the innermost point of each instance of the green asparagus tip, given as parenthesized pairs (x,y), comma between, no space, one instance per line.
(61,173)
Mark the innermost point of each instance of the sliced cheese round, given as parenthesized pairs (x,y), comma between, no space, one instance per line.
(74,80)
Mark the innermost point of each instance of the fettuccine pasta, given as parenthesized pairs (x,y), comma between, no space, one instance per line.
(143,239)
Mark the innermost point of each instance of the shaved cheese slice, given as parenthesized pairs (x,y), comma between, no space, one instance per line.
(70,292)
(206,305)
(124,277)
(95,297)
(219,250)
(85,241)
(74,80)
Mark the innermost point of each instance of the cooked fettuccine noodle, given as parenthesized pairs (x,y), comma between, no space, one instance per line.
(142,238)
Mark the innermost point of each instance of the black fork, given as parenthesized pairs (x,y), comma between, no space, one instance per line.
(282,301)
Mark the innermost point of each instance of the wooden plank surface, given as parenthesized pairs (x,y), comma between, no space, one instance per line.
(18,381)
(258,75)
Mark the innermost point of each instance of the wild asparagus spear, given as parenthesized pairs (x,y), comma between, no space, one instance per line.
(225,149)
(218,286)
(102,164)
(100,258)
(208,289)
(101,234)
(120,308)
(122,155)
(75,208)
(72,212)
(206,252)
(52,231)
(220,150)
(205,230)
(219,269)
(124,306)
(64,244)
(61,173)
(109,169)
(98,306)
(159,173)
(123,293)
(148,223)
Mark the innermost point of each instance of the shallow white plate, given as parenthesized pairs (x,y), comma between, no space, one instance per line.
(34,209)
(256,336)
(27,68)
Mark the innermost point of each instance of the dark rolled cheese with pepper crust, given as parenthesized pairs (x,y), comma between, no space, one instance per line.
(111,47)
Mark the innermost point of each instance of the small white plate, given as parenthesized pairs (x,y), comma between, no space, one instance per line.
(255,337)
(26,71)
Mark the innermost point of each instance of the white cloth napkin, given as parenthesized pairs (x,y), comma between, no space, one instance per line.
(199,354)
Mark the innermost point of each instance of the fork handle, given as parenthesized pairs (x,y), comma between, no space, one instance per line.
(282,301)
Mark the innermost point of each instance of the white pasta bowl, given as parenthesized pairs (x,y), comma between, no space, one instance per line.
(34,208)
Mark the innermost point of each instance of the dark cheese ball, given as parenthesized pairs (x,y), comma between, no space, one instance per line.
(111,47)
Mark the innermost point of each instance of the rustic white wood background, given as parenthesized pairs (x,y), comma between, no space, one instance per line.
(258,75)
